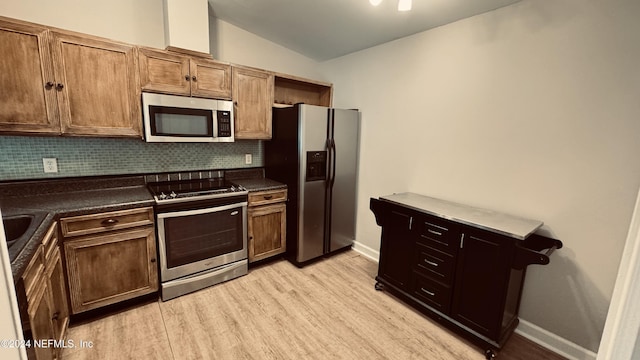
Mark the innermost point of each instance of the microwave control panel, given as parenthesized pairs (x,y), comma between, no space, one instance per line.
(224,123)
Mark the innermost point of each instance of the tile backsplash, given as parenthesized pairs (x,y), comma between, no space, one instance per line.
(21,156)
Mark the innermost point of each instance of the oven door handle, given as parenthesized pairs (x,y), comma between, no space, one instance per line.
(172,214)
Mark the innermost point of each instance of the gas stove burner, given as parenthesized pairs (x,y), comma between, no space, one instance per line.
(186,190)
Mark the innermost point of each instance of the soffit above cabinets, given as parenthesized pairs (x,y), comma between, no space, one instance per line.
(327,29)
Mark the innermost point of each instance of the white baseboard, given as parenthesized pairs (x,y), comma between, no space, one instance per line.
(369,252)
(553,342)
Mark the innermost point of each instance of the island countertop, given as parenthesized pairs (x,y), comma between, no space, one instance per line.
(509,225)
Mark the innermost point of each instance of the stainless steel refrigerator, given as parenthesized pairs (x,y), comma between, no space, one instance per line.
(314,150)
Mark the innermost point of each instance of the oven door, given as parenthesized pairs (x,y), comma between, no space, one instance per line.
(200,239)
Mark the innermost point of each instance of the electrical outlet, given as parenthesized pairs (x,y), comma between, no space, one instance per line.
(248,159)
(50,165)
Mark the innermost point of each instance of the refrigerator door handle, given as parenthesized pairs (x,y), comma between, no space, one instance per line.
(328,164)
(333,161)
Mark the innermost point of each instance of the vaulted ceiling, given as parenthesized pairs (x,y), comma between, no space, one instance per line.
(326,29)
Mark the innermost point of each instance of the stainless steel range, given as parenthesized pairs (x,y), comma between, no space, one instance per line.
(201,223)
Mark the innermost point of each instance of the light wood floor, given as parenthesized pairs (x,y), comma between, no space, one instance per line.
(327,310)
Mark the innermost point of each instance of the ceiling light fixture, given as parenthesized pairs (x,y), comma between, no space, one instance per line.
(403,5)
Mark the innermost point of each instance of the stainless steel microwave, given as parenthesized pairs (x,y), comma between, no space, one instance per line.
(170,118)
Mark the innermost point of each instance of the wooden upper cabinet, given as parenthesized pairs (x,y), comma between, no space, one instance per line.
(171,73)
(27,93)
(163,72)
(97,86)
(253,99)
(210,79)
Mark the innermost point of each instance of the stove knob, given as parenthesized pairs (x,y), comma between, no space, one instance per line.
(232,188)
(242,188)
(173,195)
(162,196)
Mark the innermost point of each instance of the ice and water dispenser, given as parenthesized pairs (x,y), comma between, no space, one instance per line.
(316,165)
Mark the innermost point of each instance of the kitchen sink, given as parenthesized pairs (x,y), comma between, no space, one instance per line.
(19,229)
(16,226)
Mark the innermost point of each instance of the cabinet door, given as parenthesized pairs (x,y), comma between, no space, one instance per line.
(105,269)
(253,100)
(481,280)
(210,79)
(59,305)
(267,231)
(396,252)
(99,86)
(27,95)
(40,319)
(163,72)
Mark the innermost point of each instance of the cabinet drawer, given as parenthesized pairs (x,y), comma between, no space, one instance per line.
(96,223)
(267,197)
(438,233)
(50,241)
(431,292)
(435,264)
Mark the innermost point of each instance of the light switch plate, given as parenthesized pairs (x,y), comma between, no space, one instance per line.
(248,159)
(50,165)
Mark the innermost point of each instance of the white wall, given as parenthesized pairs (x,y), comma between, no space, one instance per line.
(234,45)
(137,22)
(531,109)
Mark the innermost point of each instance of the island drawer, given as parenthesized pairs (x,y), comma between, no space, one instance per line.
(431,292)
(438,233)
(434,264)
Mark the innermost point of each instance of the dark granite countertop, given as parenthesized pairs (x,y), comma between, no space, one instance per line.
(253,180)
(253,185)
(52,199)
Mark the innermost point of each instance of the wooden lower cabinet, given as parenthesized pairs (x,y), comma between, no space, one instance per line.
(47,307)
(266,225)
(40,310)
(106,267)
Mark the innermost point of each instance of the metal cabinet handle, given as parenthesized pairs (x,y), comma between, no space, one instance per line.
(434,232)
(60,86)
(194,78)
(50,84)
(427,292)
(268,197)
(186,77)
(55,316)
(109,222)
(462,241)
(410,222)
(431,262)
(153,260)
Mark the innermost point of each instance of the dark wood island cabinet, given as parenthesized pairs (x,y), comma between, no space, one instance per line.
(462,266)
